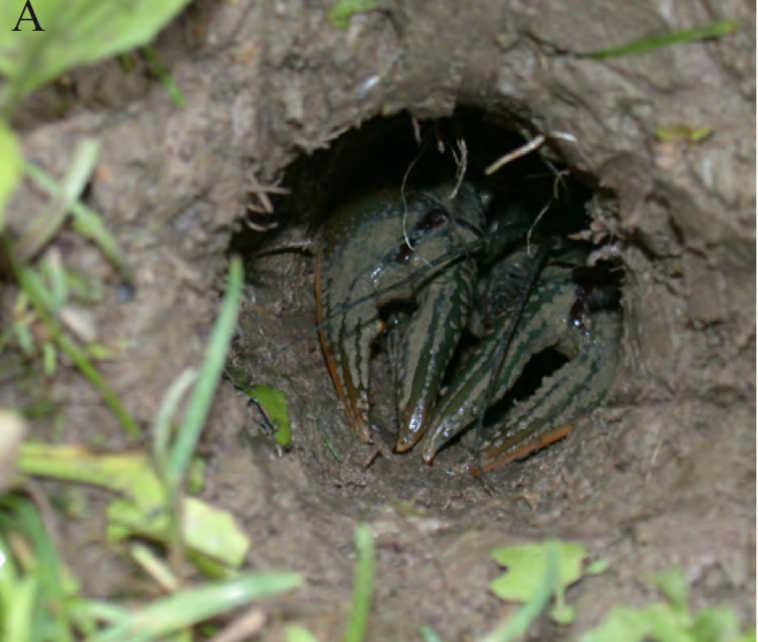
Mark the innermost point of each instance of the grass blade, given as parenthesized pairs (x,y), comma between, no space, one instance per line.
(85,221)
(166,412)
(45,225)
(364,582)
(34,289)
(10,170)
(187,608)
(715,30)
(210,374)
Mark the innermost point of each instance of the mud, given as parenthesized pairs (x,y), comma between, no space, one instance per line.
(664,474)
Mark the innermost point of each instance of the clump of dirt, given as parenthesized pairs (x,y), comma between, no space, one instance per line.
(663,475)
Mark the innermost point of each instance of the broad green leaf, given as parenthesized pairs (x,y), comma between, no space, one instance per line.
(10,168)
(76,32)
(716,625)
(622,624)
(667,623)
(526,568)
(516,626)
(145,510)
(207,530)
(128,473)
(19,613)
(563,614)
(273,404)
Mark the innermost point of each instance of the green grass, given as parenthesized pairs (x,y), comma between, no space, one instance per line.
(197,410)
(364,583)
(646,45)
(32,286)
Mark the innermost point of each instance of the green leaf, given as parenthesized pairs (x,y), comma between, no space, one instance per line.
(563,614)
(673,586)
(20,611)
(622,624)
(341,11)
(273,403)
(526,567)
(270,402)
(76,32)
(206,530)
(515,627)
(716,625)
(10,168)
(668,621)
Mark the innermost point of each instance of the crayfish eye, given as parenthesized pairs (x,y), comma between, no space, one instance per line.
(432,220)
(403,254)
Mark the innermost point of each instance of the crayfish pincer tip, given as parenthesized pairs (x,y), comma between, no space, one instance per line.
(406,441)
(428,456)
(402,445)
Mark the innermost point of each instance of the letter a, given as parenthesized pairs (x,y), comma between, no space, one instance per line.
(28,7)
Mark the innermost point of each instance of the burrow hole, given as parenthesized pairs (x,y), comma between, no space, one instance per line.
(278,345)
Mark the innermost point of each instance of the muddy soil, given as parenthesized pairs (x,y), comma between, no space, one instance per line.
(662,475)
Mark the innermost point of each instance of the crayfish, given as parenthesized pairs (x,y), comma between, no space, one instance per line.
(433,247)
